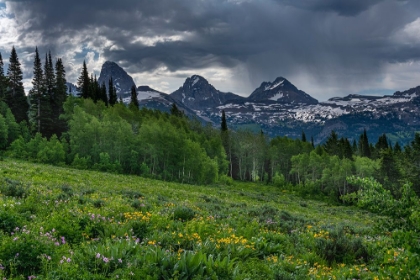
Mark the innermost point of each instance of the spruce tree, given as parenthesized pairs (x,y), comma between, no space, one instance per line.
(104,96)
(37,94)
(96,90)
(112,93)
(346,149)
(224,126)
(49,96)
(332,145)
(303,136)
(364,148)
(60,96)
(83,83)
(15,95)
(49,76)
(134,102)
(3,82)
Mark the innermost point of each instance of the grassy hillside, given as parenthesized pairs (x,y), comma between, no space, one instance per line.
(59,223)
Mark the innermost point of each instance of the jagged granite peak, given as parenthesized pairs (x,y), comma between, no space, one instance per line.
(122,81)
(197,93)
(282,91)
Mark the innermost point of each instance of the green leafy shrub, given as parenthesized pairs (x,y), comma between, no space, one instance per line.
(99,203)
(132,194)
(183,213)
(13,188)
(9,221)
(139,229)
(23,255)
(337,246)
(226,180)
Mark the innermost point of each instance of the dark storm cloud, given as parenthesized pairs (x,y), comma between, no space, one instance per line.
(335,40)
(342,7)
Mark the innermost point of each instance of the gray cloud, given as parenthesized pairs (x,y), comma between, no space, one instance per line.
(340,46)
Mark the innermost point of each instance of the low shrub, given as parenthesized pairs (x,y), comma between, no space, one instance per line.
(183,213)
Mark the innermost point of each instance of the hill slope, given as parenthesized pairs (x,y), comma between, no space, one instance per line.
(109,225)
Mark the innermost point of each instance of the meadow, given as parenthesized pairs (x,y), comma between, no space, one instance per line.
(61,223)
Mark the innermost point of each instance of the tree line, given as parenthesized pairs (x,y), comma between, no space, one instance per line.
(93,130)
(321,169)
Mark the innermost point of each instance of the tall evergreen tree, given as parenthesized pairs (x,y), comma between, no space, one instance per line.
(37,94)
(49,96)
(60,96)
(346,149)
(224,126)
(134,102)
(83,83)
(382,143)
(49,76)
(103,95)
(3,82)
(112,93)
(303,136)
(364,148)
(312,142)
(332,145)
(15,95)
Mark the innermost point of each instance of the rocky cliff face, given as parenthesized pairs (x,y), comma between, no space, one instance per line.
(122,81)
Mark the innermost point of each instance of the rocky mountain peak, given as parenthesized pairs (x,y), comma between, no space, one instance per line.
(122,81)
(282,91)
(197,93)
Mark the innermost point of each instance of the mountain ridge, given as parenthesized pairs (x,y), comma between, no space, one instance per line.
(280,108)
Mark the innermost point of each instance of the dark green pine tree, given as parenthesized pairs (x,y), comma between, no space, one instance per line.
(332,145)
(112,93)
(303,136)
(312,142)
(15,95)
(92,88)
(49,76)
(354,147)
(104,96)
(390,174)
(83,83)
(60,96)
(96,90)
(223,125)
(176,112)
(47,106)
(346,149)
(134,102)
(382,143)
(397,148)
(3,81)
(37,95)
(364,148)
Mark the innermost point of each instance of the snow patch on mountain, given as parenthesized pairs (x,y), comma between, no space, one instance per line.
(270,87)
(277,96)
(142,95)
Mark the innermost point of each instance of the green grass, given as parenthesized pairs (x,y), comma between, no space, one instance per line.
(72,224)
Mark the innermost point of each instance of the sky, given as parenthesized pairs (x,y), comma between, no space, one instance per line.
(325,47)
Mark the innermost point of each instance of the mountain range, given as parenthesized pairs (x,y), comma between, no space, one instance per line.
(279,108)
